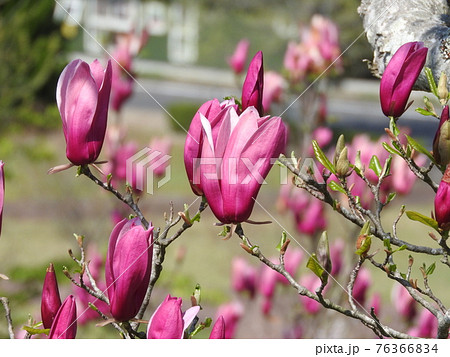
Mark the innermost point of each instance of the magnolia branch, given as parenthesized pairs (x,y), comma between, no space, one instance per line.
(320,191)
(441,314)
(369,321)
(5,303)
(127,199)
(161,242)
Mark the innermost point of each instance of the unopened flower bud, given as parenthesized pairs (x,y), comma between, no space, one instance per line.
(64,325)
(340,145)
(441,142)
(343,165)
(323,255)
(442,89)
(399,77)
(442,201)
(128,267)
(50,301)
(218,330)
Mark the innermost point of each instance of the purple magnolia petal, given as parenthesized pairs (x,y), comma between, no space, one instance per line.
(189,316)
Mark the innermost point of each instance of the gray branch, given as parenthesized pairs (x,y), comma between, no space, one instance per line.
(5,303)
(391,23)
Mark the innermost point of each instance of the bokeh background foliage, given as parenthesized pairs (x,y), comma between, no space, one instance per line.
(31,60)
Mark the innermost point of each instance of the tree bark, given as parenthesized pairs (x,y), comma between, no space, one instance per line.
(391,23)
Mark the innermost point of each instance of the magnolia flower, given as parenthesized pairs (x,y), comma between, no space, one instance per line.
(82,96)
(399,77)
(128,267)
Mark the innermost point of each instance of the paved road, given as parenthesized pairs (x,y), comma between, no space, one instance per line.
(348,112)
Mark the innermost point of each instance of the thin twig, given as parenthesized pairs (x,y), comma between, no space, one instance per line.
(5,303)
(159,252)
(365,319)
(351,283)
(127,199)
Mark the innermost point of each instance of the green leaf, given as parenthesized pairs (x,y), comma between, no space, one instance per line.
(387,166)
(424,112)
(321,157)
(418,147)
(416,216)
(282,240)
(390,197)
(392,267)
(430,269)
(399,249)
(336,187)
(365,229)
(36,331)
(430,78)
(365,246)
(225,231)
(387,244)
(375,165)
(390,149)
(314,265)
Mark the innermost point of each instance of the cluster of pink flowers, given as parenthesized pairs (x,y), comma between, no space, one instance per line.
(127,47)
(317,50)
(262,282)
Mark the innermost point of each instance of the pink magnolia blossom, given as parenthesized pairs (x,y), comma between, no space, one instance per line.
(127,47)
(375,303)
(441,141)
(274,85)
(239,58)
(323,135)
(253,87)
(82,96)
(128,267)
(117,163)
(214,111)
(231,313)
(238,158)
(402,179)
(426,327)
(311,220)
(163,146)
(403,302)
(50,301)
(168,321)
(328,39)
(297,61)
(122,81)
(64,325)
(218,330)
(243,276)
(336,255)
(292,260)
(311,282)
(317,50)
(122,89)
(268,280)
(362,284)
(399,77)
(442,201)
